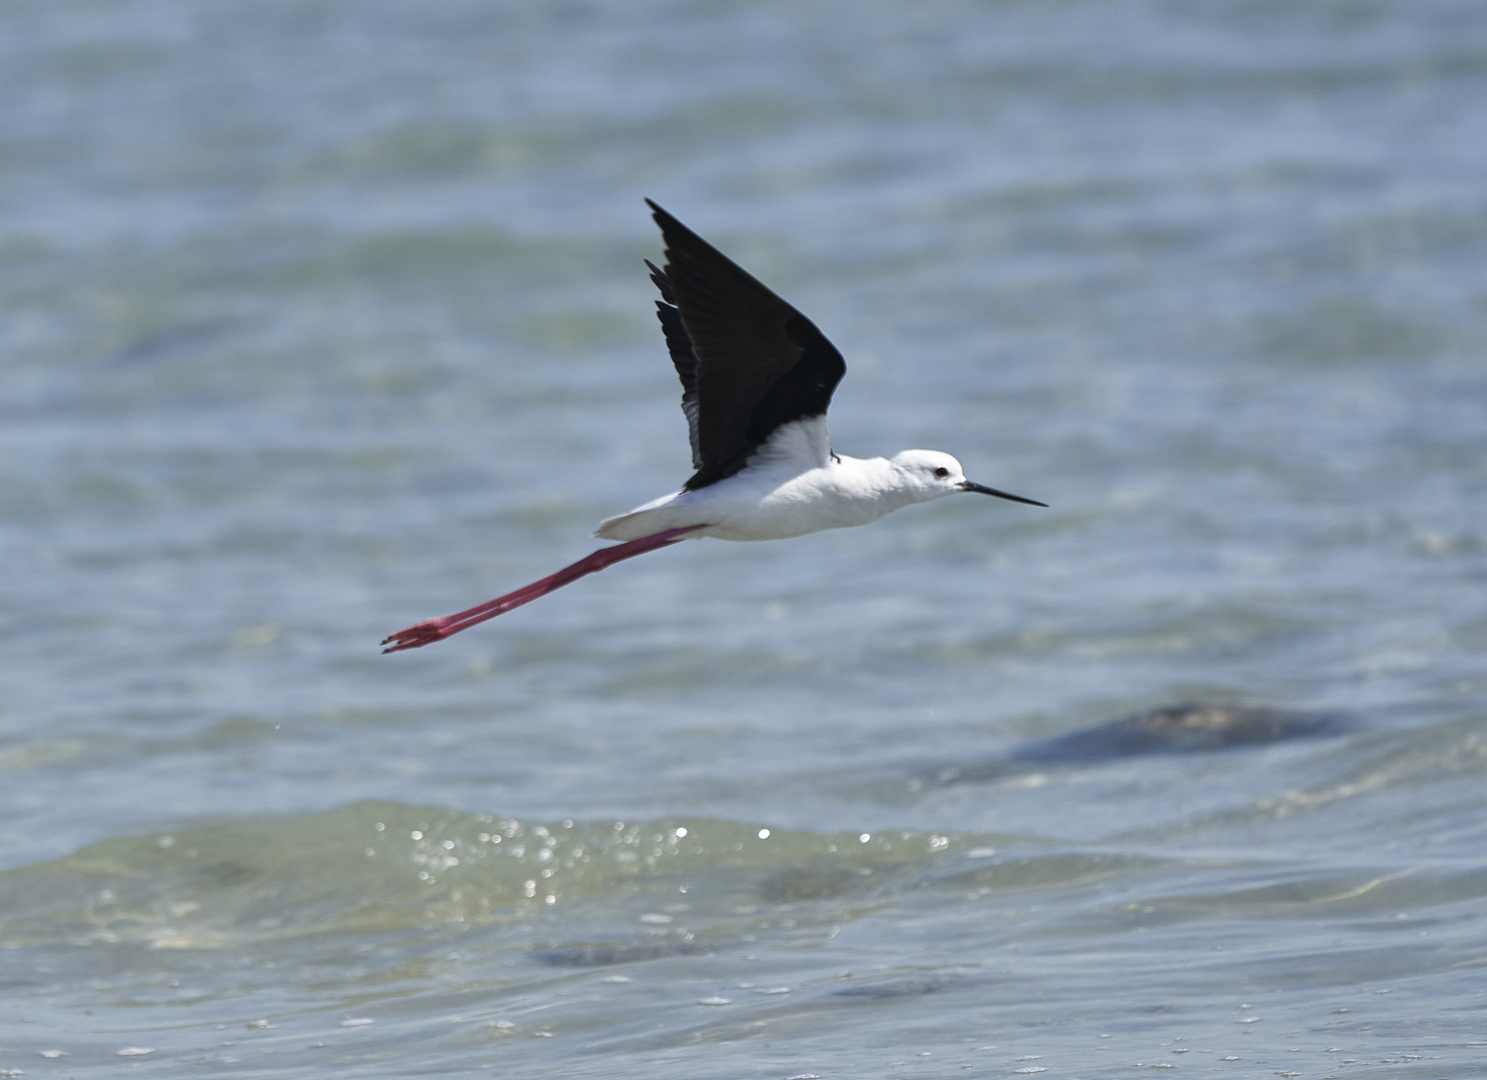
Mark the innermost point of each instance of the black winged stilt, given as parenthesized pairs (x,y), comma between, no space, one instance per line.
(756,377)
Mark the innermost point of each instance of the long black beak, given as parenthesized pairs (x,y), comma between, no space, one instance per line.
(969,485)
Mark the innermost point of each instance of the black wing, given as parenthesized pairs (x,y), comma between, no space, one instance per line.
(682,354)
(748,361)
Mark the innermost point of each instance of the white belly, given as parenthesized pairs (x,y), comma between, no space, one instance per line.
(765,505)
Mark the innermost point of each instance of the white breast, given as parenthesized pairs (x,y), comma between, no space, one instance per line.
(793,486)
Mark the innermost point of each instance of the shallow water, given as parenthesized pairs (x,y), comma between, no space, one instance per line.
(324,318)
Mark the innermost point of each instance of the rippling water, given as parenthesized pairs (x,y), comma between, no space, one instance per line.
(322,318)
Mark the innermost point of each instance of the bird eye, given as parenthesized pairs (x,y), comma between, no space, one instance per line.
(942,472)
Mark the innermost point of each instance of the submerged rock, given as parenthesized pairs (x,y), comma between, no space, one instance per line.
(1182,729)
(1173,729)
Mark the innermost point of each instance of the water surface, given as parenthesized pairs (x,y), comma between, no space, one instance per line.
(323,318)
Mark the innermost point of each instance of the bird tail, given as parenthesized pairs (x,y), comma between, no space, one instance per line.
(621,526)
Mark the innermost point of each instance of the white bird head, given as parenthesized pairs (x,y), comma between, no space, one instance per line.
(929,474)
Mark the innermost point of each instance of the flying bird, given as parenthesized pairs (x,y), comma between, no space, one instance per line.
(756,379)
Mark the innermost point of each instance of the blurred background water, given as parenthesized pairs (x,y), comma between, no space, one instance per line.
(322,317)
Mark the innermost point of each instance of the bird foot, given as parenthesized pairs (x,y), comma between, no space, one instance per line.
(420,634)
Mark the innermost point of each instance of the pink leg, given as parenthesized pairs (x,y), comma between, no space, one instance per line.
(431,630)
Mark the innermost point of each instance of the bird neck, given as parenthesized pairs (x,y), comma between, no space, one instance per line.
(881,481)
